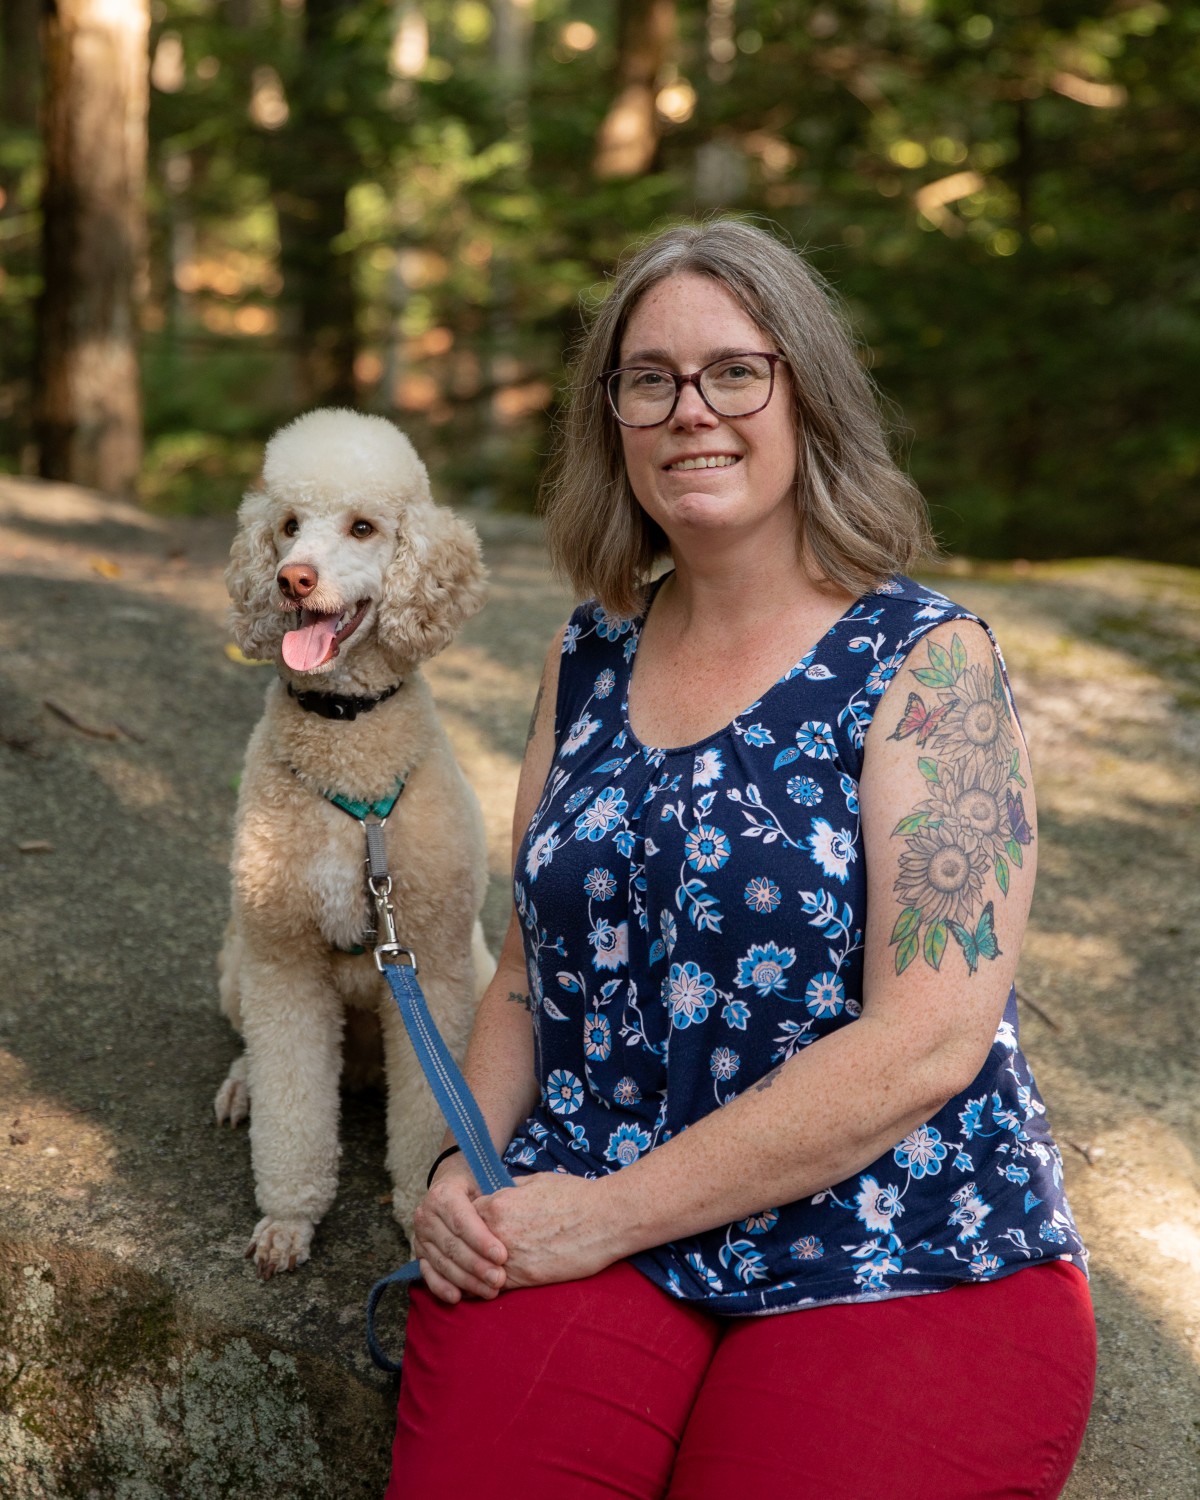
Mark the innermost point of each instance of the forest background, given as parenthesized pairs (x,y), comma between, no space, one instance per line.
(216,213)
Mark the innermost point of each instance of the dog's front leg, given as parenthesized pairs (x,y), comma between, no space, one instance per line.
(292,1025)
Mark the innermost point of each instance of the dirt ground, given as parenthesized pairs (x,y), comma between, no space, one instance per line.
(139,1356)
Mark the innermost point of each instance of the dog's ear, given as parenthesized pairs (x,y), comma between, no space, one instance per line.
(435,583)
(254,615)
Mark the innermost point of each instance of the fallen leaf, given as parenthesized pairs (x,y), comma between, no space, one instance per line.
(105,567)
(35,846)
(18,1137)
(235,653)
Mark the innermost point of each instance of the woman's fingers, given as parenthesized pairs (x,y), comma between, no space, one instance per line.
(453,1241)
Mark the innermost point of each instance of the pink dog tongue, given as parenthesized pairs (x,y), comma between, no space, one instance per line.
(310,645)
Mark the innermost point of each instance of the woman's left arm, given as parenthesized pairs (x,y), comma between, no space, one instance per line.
(948,822)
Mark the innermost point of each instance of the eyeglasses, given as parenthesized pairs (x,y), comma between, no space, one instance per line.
(737,385)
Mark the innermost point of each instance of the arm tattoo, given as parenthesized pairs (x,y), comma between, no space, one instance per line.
(516,998)
(766,1081)
(537,703)
(972,827)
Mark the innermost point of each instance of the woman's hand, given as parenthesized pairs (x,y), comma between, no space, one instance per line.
(553,1227)
(459,1254)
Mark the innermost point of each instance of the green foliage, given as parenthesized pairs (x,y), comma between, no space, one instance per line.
(1004,197)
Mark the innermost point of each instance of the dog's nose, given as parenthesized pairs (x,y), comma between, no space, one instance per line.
(297,580)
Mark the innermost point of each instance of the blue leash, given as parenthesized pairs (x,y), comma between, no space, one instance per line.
(454,1098)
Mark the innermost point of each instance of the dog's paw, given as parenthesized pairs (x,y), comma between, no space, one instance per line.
(279,1245)
(232,1103)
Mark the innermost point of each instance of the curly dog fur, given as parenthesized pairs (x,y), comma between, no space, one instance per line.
(347,575)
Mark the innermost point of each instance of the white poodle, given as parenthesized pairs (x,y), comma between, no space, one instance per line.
(348,576)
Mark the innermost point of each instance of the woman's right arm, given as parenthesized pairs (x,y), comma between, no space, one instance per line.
(458,1252)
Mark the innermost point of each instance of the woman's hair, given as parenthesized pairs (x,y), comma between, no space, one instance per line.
(861,519)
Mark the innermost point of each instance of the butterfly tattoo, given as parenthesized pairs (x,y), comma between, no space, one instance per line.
(1019,823)
(919,720)
(982,942)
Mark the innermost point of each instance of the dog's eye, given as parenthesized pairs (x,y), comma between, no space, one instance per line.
(291,526)
(362,529)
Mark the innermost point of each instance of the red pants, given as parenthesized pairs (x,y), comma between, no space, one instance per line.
(609,1387)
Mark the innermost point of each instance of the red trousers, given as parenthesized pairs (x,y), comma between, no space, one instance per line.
(609,1387)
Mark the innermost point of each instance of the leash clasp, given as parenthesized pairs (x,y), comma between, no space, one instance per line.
(388,953)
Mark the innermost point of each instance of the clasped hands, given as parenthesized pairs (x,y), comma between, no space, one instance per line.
(544,1229)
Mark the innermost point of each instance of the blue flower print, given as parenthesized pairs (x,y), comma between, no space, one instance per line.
(882,673)
(1051,1233)
(670,932)
(762,894)
(541,851)
(706,1273)
(763,968)
(1014,1173)
(578,1138)
(602,816)
(630,647)
(983,1264)
(804,790)
(877,1205)
(599,884)
(757,736)
(570,639)
(611,627)
(674,1285)
(579,734)
(605,683)
(626,1091)
(969,1213)
(735,1014)
(724,1063)
(707,847)
(626,841)
(690,994)
(576,800)
(761,1223)
(597,1036)
(963,1162)
(825,995)
(626,1144)
(833,851)
(611,944)
(538,1131)
(807,1247)
(971,1118)
(708,767)
(816,740)
(850,791)
(564,1092)
(525,1157)
(922,1152)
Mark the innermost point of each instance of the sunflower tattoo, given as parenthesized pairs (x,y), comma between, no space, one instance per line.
(972,827)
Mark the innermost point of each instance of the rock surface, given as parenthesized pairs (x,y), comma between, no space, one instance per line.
(140,1359)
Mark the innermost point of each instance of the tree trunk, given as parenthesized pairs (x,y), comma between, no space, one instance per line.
(87,403)
(19,39)
(628,137)
(312,168)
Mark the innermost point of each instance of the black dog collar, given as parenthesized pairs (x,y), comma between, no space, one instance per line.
(340,705)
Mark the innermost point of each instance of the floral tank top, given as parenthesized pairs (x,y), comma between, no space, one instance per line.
(693,917)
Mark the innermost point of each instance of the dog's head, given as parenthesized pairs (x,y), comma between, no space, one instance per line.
(343,552)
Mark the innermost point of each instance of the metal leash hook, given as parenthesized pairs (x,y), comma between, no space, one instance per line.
(379,883)
(390,950)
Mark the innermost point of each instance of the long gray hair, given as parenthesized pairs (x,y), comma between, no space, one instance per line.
(861,519)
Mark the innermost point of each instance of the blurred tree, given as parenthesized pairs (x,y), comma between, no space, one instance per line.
(629,134)
(87,396)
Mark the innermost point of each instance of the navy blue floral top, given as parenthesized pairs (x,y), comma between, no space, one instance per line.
(693,917)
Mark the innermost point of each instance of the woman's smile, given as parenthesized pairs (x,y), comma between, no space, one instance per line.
(700,471)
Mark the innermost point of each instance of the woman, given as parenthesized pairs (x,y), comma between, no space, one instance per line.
(774,844)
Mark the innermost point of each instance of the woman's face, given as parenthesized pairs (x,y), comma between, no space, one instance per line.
(749,479)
